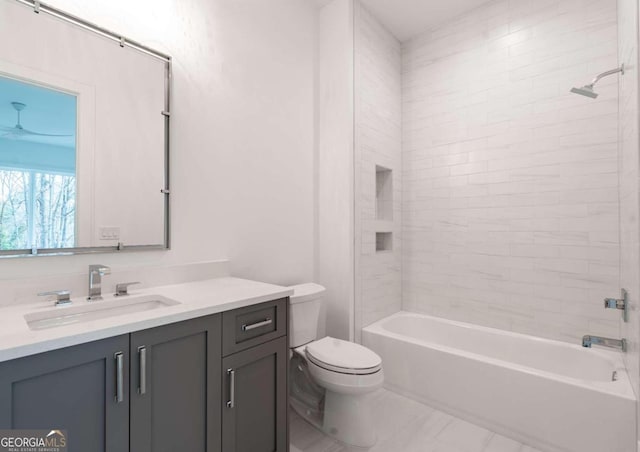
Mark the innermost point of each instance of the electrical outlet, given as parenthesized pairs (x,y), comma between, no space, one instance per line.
(109,233)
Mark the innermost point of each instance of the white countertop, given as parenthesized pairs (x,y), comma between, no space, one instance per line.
(196,299)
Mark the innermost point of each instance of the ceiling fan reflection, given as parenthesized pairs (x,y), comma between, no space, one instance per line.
(18,131)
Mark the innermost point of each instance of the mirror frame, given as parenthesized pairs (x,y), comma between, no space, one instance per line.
(118,39)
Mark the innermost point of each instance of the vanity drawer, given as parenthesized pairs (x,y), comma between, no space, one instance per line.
(246,327)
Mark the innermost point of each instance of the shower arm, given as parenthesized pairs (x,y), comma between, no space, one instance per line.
(604,74)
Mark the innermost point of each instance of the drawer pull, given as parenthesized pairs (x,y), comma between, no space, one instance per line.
(119,377)
(142,355)
(232,388)
(253,326)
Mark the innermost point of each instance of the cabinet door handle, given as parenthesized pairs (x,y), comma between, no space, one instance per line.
(253,326)
(232,388)
(142,356)
(119,377)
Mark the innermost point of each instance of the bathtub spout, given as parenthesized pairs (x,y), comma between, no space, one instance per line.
(588,341)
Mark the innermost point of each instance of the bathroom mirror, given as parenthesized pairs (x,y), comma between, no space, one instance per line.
(84,136)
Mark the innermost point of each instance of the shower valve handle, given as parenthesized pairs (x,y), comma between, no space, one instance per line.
(618,303)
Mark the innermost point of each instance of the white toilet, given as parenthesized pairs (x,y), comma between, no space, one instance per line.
(330,379)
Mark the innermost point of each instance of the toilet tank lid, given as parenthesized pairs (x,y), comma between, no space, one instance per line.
(305,292)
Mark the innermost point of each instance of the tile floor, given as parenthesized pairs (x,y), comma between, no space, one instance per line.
(408,426)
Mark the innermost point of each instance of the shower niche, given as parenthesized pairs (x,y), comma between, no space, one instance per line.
(384,208)
(384,241)
(384,194)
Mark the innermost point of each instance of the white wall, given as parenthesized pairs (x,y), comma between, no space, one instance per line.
(335,255)
(629,181)
(242,133)
(510,200)
(378,141)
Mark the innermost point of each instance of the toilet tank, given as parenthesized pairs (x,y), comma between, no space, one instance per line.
(304,313)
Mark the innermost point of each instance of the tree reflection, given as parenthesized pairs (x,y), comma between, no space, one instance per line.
(36,210)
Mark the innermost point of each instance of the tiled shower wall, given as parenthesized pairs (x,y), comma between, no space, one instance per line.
(378,141)
(510,183)
(629,180)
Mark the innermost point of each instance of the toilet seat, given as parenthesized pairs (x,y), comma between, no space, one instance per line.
(336,355)
(345,383)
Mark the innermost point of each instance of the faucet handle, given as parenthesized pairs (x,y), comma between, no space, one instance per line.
(63,297)
(619,303)
(121,288)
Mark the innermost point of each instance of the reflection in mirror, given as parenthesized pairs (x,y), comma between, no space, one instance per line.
(84,136)
(37,166)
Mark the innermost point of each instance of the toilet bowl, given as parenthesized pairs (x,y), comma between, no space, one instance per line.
(332,379)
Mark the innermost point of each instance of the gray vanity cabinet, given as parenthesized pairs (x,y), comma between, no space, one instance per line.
(81,389)
(254,409)
(175,387)
(211,384)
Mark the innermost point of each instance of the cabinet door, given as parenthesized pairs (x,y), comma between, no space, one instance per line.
(74,389)
(175,387)
(255,399)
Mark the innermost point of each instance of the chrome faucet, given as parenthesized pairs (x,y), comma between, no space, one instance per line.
(96,272)
(588,341)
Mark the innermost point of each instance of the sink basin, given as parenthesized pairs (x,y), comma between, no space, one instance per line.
(96,310)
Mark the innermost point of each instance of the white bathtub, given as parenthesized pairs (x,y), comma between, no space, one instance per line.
(552,395)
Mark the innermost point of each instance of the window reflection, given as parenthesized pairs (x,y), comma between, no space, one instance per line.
(37,166)
(36,210)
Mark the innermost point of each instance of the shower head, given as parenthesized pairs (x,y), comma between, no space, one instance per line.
(587,90)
